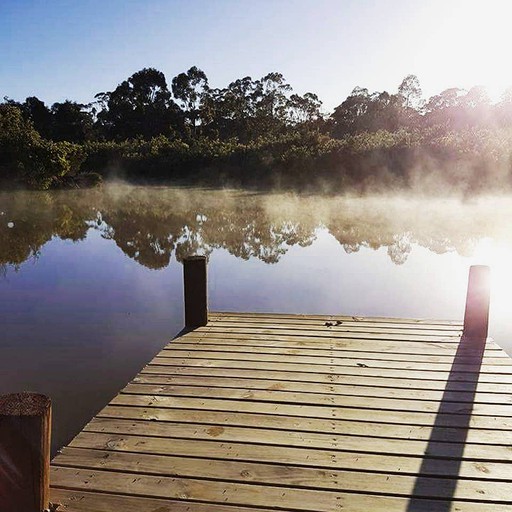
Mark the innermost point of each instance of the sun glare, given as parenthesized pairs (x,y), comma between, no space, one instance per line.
(469,46)
(498,256)
(496,91)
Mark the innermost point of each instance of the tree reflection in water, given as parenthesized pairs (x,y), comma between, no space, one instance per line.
(150,225)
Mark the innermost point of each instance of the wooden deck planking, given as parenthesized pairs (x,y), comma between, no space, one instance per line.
(285,412)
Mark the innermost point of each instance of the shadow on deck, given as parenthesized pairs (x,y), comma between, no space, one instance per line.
(469,352)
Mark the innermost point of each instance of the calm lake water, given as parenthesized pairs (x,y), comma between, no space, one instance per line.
(91,281)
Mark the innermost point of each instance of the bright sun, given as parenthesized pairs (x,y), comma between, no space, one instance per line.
(496,91)
(470,45)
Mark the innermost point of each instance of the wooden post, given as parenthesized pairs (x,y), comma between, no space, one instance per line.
(25,433)
(476,316)
(196,300)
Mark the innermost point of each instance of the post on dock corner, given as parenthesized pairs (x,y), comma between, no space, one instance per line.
(25,435)
(476,315)
(196,293)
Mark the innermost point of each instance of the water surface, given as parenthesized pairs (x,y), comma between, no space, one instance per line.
(91,281)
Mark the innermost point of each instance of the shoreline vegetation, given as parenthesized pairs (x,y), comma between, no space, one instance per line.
(259,134)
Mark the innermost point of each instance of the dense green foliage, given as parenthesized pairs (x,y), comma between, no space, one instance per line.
(25,156)
(259,133)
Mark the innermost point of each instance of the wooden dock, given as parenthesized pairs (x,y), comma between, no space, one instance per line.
(283,412)
(266,412)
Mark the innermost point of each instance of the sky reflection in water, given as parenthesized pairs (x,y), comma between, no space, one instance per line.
(92,288)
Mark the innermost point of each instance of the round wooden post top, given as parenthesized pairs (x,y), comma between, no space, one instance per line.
(196,257)
(24,404)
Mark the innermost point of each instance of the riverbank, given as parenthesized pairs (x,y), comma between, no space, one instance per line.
(468,161)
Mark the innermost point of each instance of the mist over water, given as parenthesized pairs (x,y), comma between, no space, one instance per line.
(91,284)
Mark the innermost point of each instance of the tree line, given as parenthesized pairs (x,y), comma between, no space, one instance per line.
(253,128)
(146,106)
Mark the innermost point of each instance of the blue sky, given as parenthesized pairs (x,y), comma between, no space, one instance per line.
(57,49)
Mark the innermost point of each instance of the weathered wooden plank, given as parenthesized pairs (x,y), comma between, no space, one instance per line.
(385,348)
(316,399)
(448,344)
(327,327)
(290,455)
(330,335)
(321,335)
(273,474)
(347,322)
(405,382)
(357,369)
(238,494)
(467,365)
(357,318)
(331,412)
(336,389)
(363,345)
(238,349)
(299,424)
(333,441)
(85,501)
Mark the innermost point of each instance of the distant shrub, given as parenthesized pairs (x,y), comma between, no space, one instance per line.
(30,160)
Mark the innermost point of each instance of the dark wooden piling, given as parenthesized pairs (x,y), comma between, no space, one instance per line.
(476,316)
(196,295)
(25,432)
